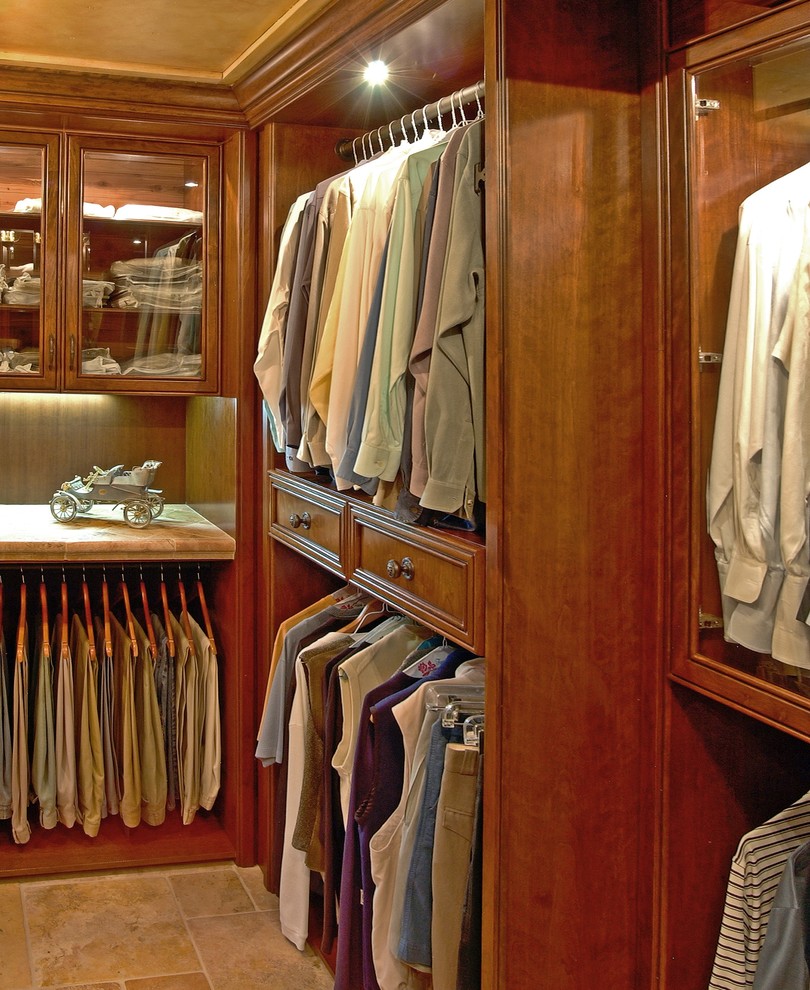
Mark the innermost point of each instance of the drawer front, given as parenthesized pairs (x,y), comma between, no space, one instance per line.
(435,578)
(308,520)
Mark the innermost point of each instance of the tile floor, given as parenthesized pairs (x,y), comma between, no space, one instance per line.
(196,928)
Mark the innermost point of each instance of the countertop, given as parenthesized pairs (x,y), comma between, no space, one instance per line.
(30,534)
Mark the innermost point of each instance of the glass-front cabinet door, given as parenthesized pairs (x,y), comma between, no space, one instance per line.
(741,312)
(29,205)
(141,285)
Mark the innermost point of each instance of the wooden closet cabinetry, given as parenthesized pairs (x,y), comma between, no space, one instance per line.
(737,720)
(435,577)
(110,248)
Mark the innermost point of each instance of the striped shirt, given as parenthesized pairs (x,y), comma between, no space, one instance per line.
(756,870)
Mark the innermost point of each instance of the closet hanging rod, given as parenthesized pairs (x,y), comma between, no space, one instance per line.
(345,147)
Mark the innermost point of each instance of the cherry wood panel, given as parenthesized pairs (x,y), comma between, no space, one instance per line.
(569,788)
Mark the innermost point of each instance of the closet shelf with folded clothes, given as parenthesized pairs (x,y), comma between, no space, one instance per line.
(29,534)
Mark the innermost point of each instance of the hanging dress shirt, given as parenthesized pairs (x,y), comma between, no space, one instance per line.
(454,403)
(744,479)
(268,364)
(756,871)
(782,962)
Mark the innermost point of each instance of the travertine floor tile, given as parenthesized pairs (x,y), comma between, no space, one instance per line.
(94,986)
(210,892)
(14,969)
(248,952)
(187,981)
(252,878)
(105,929)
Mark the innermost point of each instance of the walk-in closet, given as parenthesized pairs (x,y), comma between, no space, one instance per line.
(450,430)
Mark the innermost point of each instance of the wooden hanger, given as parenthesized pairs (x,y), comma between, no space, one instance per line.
(21,622)
(184,613)
(88,618)
(133,642)
(43,608)
(105,598)
(164,597)
(209,629)
(64,648)
(147,618)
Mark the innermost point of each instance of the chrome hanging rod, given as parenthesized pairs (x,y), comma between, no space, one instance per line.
(347,148)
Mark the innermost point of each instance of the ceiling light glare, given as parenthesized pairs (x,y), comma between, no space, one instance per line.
(376,72)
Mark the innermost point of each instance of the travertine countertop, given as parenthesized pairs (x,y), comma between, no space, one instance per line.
(30,534)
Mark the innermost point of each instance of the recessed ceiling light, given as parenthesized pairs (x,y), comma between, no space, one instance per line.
(376,72)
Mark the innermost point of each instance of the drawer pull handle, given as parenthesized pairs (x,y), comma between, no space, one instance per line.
(395,569)
(304,520)
(295,520)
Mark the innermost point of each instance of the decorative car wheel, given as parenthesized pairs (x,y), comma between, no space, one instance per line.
(156,504)
(85,504)
(63,507)
(138,514)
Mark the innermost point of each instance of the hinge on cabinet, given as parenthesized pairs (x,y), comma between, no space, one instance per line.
(708,621)
(709,357)
(704,107)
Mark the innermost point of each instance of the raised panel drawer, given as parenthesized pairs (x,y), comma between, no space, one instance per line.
(437,578)
(309,520)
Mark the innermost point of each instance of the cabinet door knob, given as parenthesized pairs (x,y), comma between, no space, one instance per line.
(306,520)
(403,568)
(295,520)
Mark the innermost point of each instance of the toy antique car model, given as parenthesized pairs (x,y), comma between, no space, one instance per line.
(130,489)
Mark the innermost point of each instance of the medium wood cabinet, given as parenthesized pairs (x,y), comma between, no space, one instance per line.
(737,721)
(111,262)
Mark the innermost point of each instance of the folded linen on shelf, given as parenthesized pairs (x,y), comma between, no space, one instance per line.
(19,362)
(165,365)
(140,211)
(165,282)
(34,205)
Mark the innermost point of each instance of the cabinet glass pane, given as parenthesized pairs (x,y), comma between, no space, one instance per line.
(752,148)
(21,185)
(142,265)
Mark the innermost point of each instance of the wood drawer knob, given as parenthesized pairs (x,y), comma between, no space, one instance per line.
(304,520)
